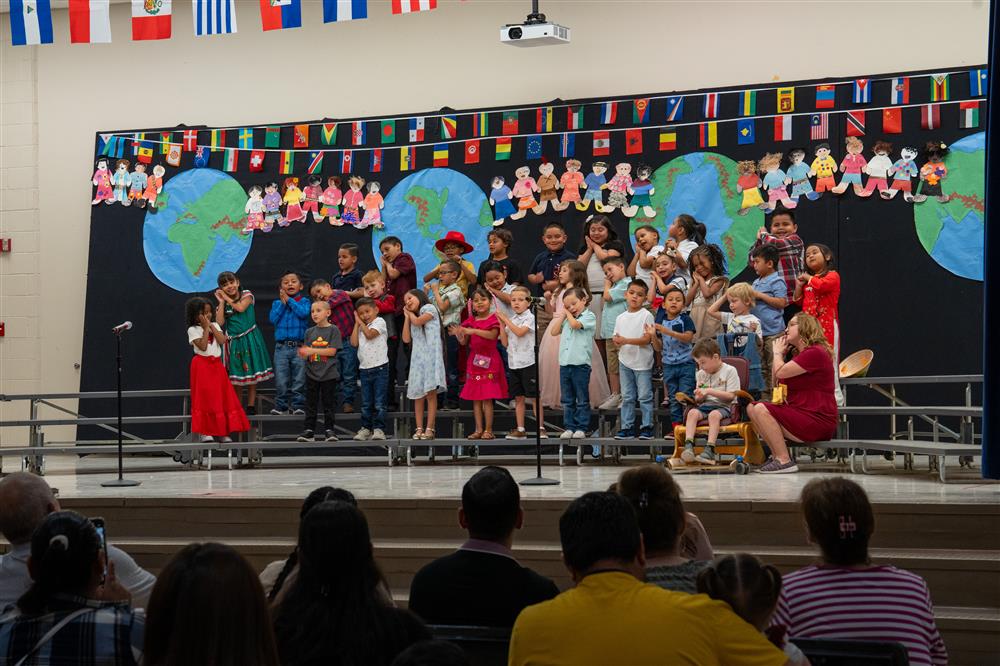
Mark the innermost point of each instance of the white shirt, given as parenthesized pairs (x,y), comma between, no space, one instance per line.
(646,274)
(879,166)
(684,248)
(375,352)
(744,323)
(724,379)
(521,350)
(213,348)
(632,325)
(504,308)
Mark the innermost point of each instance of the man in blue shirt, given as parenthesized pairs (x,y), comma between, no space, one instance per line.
(771,296)
(290,317)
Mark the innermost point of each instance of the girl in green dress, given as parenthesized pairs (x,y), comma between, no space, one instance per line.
(247,359)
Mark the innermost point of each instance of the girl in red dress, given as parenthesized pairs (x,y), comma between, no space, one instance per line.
(485,379)
(809,413)
(215,409)
(818,292)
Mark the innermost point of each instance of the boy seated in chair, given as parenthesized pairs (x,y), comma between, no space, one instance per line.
(716,383)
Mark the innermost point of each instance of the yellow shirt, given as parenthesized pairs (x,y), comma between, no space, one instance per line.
(462,281)
(612,619)
(825,167)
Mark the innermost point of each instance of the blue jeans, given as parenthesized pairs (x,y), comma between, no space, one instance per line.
(289,378)
(636,382)
(374,383)
(451,368)
(678,377)
(574,383)
(347,359)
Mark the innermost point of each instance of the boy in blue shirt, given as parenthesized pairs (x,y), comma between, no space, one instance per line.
(349,277)
(677,330)
(576,326)
(615,285)
(290,318)
(771,294)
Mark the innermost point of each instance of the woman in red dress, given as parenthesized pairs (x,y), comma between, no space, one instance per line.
(809,413)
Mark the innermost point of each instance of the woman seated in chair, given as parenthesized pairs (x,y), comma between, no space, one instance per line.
(809,412)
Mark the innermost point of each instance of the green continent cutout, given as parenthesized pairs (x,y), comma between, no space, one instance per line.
(430,208)
(199,227)
(486,215)
(741,234)
(964,184)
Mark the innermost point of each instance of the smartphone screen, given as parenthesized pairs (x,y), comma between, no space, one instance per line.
(99,526)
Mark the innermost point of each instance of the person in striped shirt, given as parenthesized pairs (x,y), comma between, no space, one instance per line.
(846,596)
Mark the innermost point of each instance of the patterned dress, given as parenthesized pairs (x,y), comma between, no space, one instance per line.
(427,358)
(247,361)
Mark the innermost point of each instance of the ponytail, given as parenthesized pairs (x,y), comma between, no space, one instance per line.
(750,587)
(693,229)
(64,549)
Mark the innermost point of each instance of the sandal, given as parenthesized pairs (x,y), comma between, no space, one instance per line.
(418,433)
(428,434)
(476,435)
(487,435)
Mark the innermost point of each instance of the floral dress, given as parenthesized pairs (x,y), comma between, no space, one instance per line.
(247,361)
(427,373)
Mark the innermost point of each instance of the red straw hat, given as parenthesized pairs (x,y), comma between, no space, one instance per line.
(456,237)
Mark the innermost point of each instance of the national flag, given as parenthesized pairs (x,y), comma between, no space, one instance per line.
(190,139)
(375,160)
(145,154)
(89,22)
(509,124)
(328,134)
(708,135)
(344,10)
(502,149)
(280,14)
(300,136)
(892,121)
(416,129)
(287,164)
(388,131)
(977,82)
(826,96)
(574,117)
(230,159)
(533,147)
(449,127)
(217,139)
(968,115)
(783,128)
(256,161)
(748,103)
(940,87)
(346,161)
(711,105)
(786,100)
(633,141)
(855,121)
(668,140)
(407,158)
(745,131)
(315,162)
(272,137)
(119,146)
(166,138)
(480,124)
(819,126)
(609,113)
(930,116)
(472,151)
(359,134)
(602,144)
(201,156)
(543,119)
(174,154)
(899,90)
(31,22)
(411,6)
(246,138)
(567,145)
(441,154)
(862,91)
(675,108)
(640,111)
(150,19)
(103,143)
(214,17)
(137,140)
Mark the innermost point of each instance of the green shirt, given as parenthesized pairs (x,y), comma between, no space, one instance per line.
(576,345)
(614,307)
(456,301)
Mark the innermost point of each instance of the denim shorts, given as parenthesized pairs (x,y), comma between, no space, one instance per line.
(725,412)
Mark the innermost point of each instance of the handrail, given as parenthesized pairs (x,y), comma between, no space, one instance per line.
(915,379)
(912,410)
(152,393)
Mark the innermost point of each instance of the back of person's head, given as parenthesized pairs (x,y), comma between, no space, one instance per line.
(65,559)
(839,518)
(749,586)
(432,653)
(656,499)
(599,526)
(25,500)
(491,504)
(208,607)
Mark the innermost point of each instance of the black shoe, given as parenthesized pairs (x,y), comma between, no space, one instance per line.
(306,436)
(251,410)
(331,437)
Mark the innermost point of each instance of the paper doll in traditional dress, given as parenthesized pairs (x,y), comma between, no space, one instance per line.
(878,168)
(312,193)
(330,200)
(500,196)
(595,183)
(137,186)
(292,198)
(272,206)
(353,198)
(798,176)
(933,173)
(903,171)
(642,191)
(154,185)
(547,186)
(853,165)
(748,184)
(102,179)
(570,183)
(618,187)
(254,209)
(120,180)
(524,190)
(373,204)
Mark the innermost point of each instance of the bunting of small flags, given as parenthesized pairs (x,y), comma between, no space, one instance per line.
(899,90)
(633,141)
(675,108)
(344,10)
(855,123)
(567,145)
(89,21)
(300,136)
(230,159)
(930,116)
(328,134)
(287,163)
(862,91)
(174,154)
(668,141)
(503,149)
(574,117)
(543,119)
(533,147)
(609,113)
(375,160)
(315,162)
(892,121)
(480,124)
(711,106)
(786,100)
(783,128)
(30,22)
(280,14)
(748,103)
(166,139)
(137,140)
(441,155)
(708,135)
(145,153)
(407,158)
(359,133)
(214,17)
(826,96)
(416,129)
(602,144)
(190,139)
(246,138)
(745,131)
(640,111)
(256,161)
(819,126)
(968,115)
(217,139)
(346,161)
(977,82)
(509,124)
(411,6)
(272,137)
(387,131)
(449,127)
(940,87)
(472,151)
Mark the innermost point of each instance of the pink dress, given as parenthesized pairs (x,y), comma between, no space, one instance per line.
(352,206)
(485,377)
(548,370)
(104,190)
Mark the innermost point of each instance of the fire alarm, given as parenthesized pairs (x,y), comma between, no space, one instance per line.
(1,329)
(5,244)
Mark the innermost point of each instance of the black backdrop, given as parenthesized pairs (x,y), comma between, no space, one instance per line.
(918,317)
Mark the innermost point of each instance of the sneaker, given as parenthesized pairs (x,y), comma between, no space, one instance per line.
(707,455)
(331,437)
(657,376)
(646,433)
(205,439)
(614,401)
(517,434)
(348,408)
(565,434)
(543,434)
(306,436)
(377,434)
(298,412)
(625,433)
(363,435)
(773,466)
(687,455)
(579,434)
(277,412)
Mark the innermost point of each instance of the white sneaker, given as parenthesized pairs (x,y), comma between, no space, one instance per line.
(378,434)
(206,439)
(363,435)
(566,434)
(226,440)
(579,434)
(614,401)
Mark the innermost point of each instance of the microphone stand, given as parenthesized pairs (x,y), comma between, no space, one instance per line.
(538,480)
(120,482)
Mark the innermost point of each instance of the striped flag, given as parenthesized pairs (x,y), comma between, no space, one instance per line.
(359,134)
(328,134)
(509,123)
(417,129)
(346,161)
(675,108)
(190,139)
(256,161)
(609,113)
(300,136)
(855,121)
(344,10)
(145,152)
(280,14)
(748,103)
(472,151)
(287,163)
(711,106)
(502,149)
(930,116)
(668,140)
(640,111)
(892,121)
(246,138)
(708,135)
(745,133)
(375,160)
(272,137)
(315,162)
(940,87)
(137,140)
(819,126)
(567,145)
(407,158)
(826,96)
(230,159)
(441,154)
(174,152)
(899,90)
(89,22)
(150,20)
(449,127)
(411,6)
(388,131)
(977,82)
(214,17)
(862,91)
(602,144)
(217,140)
(783,128)
(574,117)
(533,147)
(786,100)
(480,124)
(166,138)
(633,141)
(30,22)
(968,115)
(543,119)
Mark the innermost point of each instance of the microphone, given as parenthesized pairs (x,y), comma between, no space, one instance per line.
(124,326)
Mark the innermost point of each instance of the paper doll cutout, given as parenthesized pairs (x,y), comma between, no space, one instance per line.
(823,167)
(749,185)
(903,171)
(618,187)
(272,206)
(373,204)
(500,197)
(292,197)
(102,179)
(853,165)
(353,199)
(878,168)
(570,183)
(933,172)
(330,200)
(775,181)
(595,183)
(524,190)
(120,180)
(312,193)
(137,186)
(798,176)
(154,185)
(547,186)
(641,190)
(254,209)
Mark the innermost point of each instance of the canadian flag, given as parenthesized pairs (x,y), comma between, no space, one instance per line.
(89,22)
(150,19)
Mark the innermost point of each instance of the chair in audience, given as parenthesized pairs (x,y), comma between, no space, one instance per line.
(485,646)
(843,652)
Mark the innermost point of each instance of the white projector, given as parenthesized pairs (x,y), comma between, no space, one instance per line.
(534,34)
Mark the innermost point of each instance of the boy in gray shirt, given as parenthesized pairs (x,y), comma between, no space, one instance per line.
(319,350)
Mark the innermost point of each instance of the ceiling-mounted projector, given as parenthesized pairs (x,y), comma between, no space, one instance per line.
(535,31)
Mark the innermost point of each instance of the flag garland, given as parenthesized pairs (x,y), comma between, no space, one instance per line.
(899,91)
(640,111)
(574,117)
(826,96)
(280,14)
(940,87)
(543,119)
(968,115)
(668,141)
(675,108)
(449,127)
(711,106)
(472,151)
(214,17)
(786,100)
(748,103)
(862,91)
(502,149)
(745,131)
(328,134)
(855,121)
(819,126)
(609,113)
(150,20)
(89,21)
(412,6)
(567,145)
(708,135)
(344,10)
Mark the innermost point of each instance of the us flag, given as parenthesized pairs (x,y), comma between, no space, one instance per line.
(819,126)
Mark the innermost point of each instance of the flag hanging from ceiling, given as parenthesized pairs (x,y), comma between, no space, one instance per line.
(137,139)
(786,100)
(30,22)
(145,153)
(272,137)
(892,121)
(819,126)
(509,124)
(280,14)
(533,147)
(480,124)
(214,17)
(503,149)
(930,116)
(411,6)
(201,156)
(416,129)
(190,139)
(640,111)
(711,106)
(315,162)
(230,159)
(407,158)
(346,161)
(745,131)
(388,131)
(441,155)
(217,139)
(543,119)
(300,136)
(783,128)
(748,103)
(287,163)
(166,138)
(174,154)
(256,161)
(328,134)
(246,138)
(449,127)
(862,91)
(89,21)
(602,144)
(899,90)
(574,117)
(940,87)
(344,10)
(150,19)
(708,135)
(668,140)
(675,108)
(359,134)
(609,113)
(472,151)
(855,121)
(375,160)
(567,145)
(977,82)
(633,141)
(826,96)
(968,115)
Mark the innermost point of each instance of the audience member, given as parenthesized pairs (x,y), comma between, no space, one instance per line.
(611,617)
(482,582)
(76,611)
(846,596)
(334,611)
(208,608)
(432,653)
(25,500)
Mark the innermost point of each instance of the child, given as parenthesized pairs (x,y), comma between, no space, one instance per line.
(818,291)
(771,297)
(484,375)
(319,351)
(615,286)
(575,326)
(499,242)
(518,336)
(400,273)
(666,275)
(716,383)
(369,336)
(215,409)
(496,283)
(686,234)
(791,250)
(422,329)
(633,336)
(289,315)
(248,360)
(708,283)
(450,300)
(349,277)
(739,319)
(453,246)
(647,247)
(544,269)
(342,316)
(678,331)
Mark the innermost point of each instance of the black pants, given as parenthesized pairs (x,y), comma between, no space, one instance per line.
(316,393)
(399,361)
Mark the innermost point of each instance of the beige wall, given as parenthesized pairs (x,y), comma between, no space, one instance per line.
(450,57)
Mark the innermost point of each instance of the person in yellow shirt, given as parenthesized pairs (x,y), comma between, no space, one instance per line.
(823,167)
(612,617)
(453,247)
